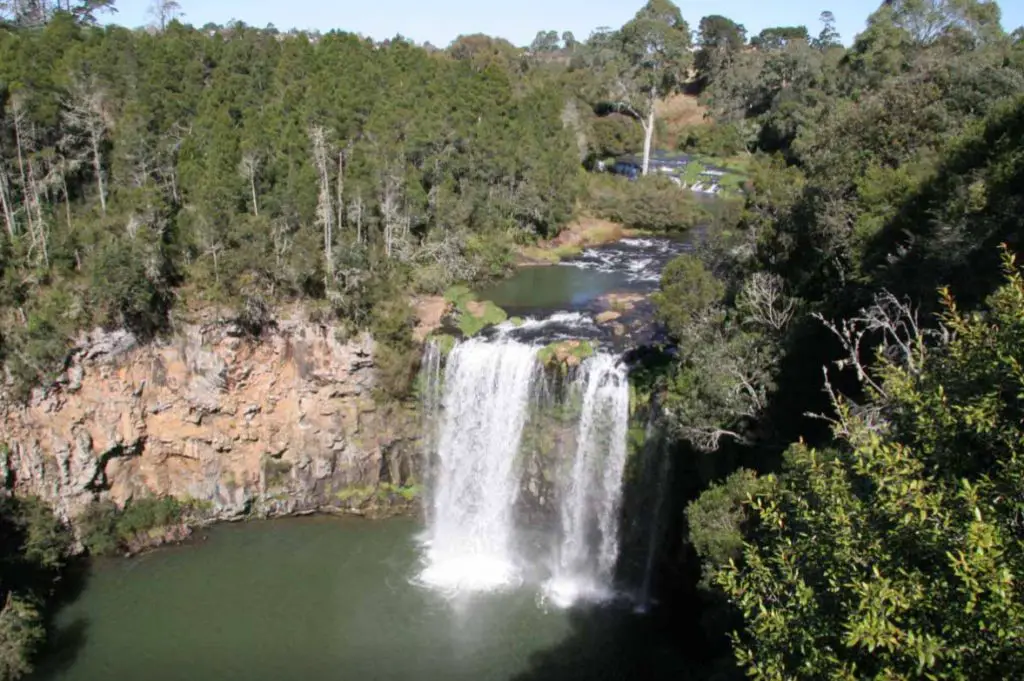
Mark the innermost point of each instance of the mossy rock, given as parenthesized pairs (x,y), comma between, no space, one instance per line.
(480,315)
(445,342)
(355,495)
(407,493)
(471,315)
(459,295)
(566,354)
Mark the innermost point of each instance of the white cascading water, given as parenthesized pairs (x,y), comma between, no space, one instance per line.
(431,393)
(592,495)
(485,405)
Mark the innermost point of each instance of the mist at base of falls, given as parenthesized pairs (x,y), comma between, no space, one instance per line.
(525,471)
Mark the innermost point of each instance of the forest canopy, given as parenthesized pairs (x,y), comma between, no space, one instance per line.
(142,170)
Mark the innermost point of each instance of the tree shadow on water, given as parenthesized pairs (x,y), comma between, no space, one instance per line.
(616,643)
(64,640)
(63,644)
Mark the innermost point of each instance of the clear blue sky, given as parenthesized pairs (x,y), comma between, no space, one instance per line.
(440,21)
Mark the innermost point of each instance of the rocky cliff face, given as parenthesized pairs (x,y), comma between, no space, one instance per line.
(286,424)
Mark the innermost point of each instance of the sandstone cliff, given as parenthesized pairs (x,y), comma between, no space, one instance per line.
(285,424)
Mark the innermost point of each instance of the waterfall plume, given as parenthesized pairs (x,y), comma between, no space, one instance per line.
(592,492)
(488,392)
(475,484)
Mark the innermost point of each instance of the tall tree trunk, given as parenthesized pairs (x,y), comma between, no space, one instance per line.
(358,207)
(252,187)
(648,137)
(67,200)
(38,204)
(248,166)
(325,211)
(97,166)
(5,204)
(340,191)
(19,143)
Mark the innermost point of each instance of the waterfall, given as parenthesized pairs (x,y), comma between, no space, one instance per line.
(487,390)
(478,461)
(431,387)
(592,492)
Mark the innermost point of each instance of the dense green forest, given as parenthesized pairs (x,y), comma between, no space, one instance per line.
(145,170)
(845,386)
(848,375)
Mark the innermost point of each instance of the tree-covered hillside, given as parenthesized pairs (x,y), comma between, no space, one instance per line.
(847,378)
(142,170)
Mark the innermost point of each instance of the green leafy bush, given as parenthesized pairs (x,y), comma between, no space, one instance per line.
(717,518)
(614,135)
(898,553)
(34,548)
(715,140)
(396,356)
(653,203)
(106,529)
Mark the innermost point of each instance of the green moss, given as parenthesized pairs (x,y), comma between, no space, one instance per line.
(490,314)
(459,295)
(355,494)
(276,471)
(639,398)
(445,342)
(636,437)
(473,316)
(566,353)
(406,492)
(563,252)
(516,321)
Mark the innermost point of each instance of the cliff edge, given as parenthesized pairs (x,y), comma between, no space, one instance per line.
(279,425)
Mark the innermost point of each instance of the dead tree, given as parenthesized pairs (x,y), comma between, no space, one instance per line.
(5,203)
(324,208)
(85,111)
(247,168)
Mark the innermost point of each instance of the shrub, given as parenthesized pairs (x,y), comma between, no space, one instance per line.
(715,140)
(106,529)
(716,519)
(129,287)
(614,135)
(396,356)
(687,289)
(653,203)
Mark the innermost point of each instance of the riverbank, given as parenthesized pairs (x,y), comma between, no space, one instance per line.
(583,232)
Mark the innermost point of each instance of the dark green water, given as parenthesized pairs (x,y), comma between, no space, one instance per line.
(628,265)
(555,287)
(329,599)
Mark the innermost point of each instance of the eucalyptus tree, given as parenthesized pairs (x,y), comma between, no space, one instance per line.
(164,12)
(644,61)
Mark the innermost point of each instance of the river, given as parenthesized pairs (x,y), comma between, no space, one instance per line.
(329,599)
